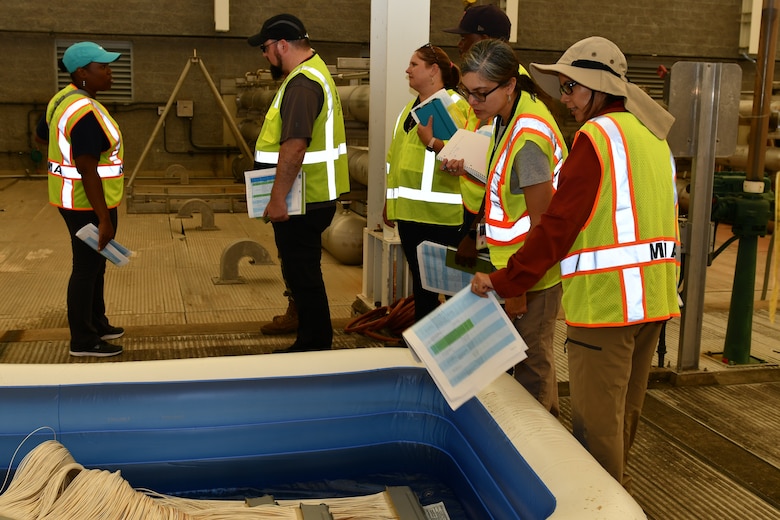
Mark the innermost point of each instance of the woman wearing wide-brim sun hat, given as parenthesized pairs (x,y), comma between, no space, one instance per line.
(613,226)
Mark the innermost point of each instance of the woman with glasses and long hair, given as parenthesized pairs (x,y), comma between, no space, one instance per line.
(612,225)
(526,149)
(424,202)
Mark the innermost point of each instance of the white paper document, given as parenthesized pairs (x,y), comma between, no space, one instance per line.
(466,343)
(258,192)
(115,252)
(472,147)
(435,275)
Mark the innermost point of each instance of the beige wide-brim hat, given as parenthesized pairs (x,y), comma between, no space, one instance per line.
(598,64)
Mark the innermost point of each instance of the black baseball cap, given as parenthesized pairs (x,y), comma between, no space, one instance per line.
(280,27)
(484,19)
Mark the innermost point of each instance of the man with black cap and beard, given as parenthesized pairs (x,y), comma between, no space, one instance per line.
(303,131)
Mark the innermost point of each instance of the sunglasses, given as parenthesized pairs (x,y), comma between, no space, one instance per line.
(480,97)
(567,87)
(264,47)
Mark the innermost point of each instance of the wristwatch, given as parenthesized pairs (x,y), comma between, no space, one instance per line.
(430,145)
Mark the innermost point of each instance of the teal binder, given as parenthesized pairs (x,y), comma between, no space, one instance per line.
(443,125)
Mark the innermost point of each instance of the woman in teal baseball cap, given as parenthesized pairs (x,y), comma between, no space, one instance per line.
(86,184)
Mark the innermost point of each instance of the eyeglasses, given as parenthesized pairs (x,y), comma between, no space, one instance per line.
(431,52)
(567,87)
(480,97)
(264,47)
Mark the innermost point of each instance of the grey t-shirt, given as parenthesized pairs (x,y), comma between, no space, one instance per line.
(531,167)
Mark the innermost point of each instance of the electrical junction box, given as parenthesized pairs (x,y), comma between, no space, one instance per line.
(184,108)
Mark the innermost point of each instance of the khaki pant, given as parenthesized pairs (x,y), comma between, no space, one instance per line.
(537,327)
(608,372)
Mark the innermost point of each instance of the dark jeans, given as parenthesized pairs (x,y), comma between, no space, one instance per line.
(299,241)
(411,235)
(86,306)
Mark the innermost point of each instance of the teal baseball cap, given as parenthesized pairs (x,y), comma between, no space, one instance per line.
(83,53)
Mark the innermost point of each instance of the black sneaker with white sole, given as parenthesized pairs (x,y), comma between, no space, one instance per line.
(102,349)
(113,333)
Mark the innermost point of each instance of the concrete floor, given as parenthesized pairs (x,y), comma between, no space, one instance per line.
(708,446)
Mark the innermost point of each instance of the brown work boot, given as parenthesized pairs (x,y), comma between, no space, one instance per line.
(284,323)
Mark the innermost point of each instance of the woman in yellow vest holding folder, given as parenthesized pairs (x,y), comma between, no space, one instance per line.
(422,200)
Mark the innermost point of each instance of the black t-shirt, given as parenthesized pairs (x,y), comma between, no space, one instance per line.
(87,136)
(302,102)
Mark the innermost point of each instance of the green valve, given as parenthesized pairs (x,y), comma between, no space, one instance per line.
(36,156)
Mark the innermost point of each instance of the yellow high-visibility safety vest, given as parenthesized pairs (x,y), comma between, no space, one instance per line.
(66,190)
(507,222)
(622,268)
(417,189)
(325,166)
(472,191)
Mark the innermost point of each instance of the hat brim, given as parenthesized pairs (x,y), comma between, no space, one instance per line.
(109,57)
(547,78)
(456,30)
(637,101)
(256,40)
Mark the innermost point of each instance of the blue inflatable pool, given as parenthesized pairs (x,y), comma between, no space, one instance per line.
(262,421)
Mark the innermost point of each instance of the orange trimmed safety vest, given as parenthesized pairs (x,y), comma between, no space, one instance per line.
(66,190)
(507,222)
(622,269)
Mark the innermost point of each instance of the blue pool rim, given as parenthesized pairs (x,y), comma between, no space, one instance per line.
(148,428)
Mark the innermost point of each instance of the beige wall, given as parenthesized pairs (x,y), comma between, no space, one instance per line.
(164,35)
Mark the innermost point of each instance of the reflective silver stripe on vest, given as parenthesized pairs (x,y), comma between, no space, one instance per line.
(617,257)
(66,193)
(503,234)
(425,192)
(105,171)
(62,142)
(506,235)
(331,152)
(309,158)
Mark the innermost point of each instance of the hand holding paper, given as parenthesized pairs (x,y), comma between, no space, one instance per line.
(481,284)
(469,149)
(465,344)
(259,184)
(114,251)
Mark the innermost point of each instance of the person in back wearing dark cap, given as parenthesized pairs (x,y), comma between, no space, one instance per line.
(86,183)
(303,131)
(481,22)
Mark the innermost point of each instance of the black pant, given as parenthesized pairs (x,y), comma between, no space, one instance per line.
(86,306)
(411,235)
(299,241)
